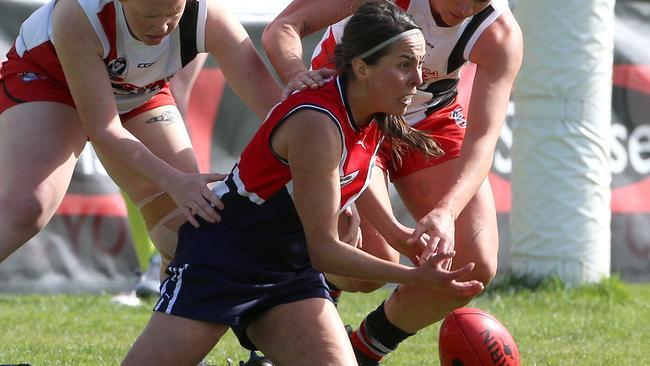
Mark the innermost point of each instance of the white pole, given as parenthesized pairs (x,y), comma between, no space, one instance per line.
(560,219)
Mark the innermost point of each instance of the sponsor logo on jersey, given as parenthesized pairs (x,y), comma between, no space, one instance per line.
(457,115)
(428,74)
(144,65)
(129,89)
(348,178)
(30,76)
(116,68)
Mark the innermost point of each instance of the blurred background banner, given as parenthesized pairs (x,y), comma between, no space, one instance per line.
(630,160)
(87,246)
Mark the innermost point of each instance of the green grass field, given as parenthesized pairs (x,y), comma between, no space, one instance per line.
(604,324)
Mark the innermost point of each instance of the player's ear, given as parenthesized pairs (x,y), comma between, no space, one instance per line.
(360,69)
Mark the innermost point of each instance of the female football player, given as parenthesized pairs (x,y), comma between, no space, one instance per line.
(99,71)
(257,271)
(450,196)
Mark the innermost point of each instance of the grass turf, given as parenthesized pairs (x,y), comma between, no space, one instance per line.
(602,324)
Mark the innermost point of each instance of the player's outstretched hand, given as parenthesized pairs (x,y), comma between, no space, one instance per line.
(433,274)
(313,79)
(439,226)
(414,250)
(193,197)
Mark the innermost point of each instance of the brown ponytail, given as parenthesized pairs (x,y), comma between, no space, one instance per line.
(402,136)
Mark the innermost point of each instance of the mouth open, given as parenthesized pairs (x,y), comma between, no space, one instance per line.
(406,100)
(155,38)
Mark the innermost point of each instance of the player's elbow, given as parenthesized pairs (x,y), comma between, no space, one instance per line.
(318,261)
(280,29)
(272,32)
(268,35)
(319,258)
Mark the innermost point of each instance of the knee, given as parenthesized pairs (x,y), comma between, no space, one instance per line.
(484,254)
(485,270)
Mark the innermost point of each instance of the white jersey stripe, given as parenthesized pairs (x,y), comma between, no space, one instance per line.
(371,165)
(241,189)
(201,26)
(289,187)
(178,273)
(475,36)
(220,188)
(162,299)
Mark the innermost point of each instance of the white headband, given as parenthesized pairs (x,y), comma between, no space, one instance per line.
(389,41)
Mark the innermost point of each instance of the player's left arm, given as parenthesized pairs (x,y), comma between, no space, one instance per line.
(229,43)
(497,55)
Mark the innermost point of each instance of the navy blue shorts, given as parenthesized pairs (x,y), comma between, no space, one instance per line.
(230,277)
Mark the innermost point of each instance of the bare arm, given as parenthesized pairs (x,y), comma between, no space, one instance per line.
(375,206)
(496,69)
(316,194)
(79,51)
(282,37)
(498,55)
(246,73)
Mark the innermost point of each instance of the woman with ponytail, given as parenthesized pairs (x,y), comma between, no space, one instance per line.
(450,196)
(258,270)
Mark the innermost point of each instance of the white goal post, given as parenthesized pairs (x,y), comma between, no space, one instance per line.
(560,218)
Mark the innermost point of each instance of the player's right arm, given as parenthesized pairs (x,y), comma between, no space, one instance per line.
(80,53)
(282,37)
(229,43)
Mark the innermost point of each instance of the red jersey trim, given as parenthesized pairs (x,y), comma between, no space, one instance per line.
(107,19)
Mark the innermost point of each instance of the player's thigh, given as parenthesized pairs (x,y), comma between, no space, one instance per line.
(306,332)
(163,132)
(174,341)
(476,228)
(477,234)
(40,143)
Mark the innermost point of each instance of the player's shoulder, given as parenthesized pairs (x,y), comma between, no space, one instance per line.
(328,96)
(504,29)
(502,39)
(71,24)
(318,105)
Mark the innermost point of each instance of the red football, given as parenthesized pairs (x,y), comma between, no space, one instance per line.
(473,337)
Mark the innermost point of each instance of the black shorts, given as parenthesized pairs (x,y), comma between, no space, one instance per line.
(224,276)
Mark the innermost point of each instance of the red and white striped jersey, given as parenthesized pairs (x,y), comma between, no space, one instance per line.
(257,193)
(137,71)
(448,49)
